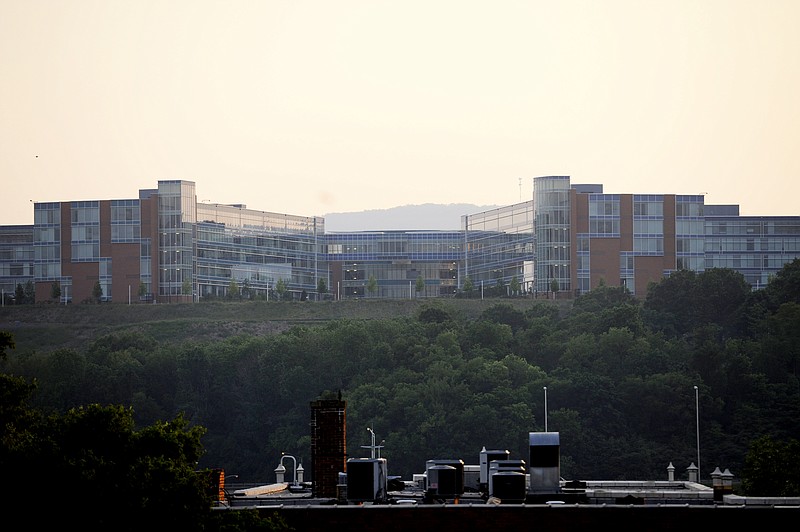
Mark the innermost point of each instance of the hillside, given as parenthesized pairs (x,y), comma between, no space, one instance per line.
(45,327)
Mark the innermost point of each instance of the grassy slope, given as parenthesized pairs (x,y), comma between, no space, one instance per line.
(45,327)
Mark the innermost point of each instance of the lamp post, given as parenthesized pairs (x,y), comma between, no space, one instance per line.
(697,425)
(372,447)
(545,408)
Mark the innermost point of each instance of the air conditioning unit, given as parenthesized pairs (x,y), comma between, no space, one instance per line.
(442,481)
(366,480)
(449,484)
(505,466)
(485,458)
(508,486)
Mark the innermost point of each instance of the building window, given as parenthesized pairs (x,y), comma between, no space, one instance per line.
(85,252)
(604,227)
(603,208)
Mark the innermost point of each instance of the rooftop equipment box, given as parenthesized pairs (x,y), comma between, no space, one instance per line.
(486,458)
(458,477)
(505,466)
(366,479)
(545,462)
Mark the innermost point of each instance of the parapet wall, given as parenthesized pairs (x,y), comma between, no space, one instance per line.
(488,517)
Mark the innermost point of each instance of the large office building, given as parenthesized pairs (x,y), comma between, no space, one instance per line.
(585,237)
(165,247)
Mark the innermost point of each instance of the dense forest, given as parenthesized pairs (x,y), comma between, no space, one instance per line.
(620,376)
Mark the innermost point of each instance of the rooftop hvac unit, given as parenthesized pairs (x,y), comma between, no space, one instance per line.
(458,465)
(442,481)
(486,457)
(508,486)
(545,462)
(366,479)
(505,466)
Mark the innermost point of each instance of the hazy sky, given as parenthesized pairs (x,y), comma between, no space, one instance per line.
(316,107)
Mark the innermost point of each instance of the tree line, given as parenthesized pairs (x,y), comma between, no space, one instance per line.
(620,376)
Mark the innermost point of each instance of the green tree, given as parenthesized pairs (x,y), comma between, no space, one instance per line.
(133,479)
(783,287)
(322,286)
(136,479)
(19,295)
(372,285)
(604,297)
(514,286)
(233,289)
(720,298)
(687,300)
(247,290)
(772,468)
(500,287)
(55,290)
(142,289)
(30,292)
(420,286)
(186,287)
(280,287)
(468,286)
(779,357)
(554,287)
(97,291)
(505,313)
(6,342)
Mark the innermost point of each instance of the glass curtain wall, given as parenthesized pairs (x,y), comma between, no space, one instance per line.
(499,249)
(551,197)
(756,246)
(690,233)
(16,258)
(393,264)
(47,247)
(249,252)
(176,224)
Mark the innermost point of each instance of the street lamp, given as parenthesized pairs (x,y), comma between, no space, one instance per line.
(697,424)
(372,447)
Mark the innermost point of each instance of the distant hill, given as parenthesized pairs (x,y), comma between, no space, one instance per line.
(425,217)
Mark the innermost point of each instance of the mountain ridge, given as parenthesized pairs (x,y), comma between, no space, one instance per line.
(421,217)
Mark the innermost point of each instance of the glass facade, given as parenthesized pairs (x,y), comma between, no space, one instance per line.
(85,231)
(756,246)
(248,250)
(168,248)
(689,233)
(125,221)
(16,258)
(176,225)
(393,264)
(47,241)
(552,213)
(499,248)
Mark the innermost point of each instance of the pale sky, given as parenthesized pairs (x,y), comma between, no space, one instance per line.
(316,107)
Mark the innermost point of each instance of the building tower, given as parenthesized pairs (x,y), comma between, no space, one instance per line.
(552,215)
